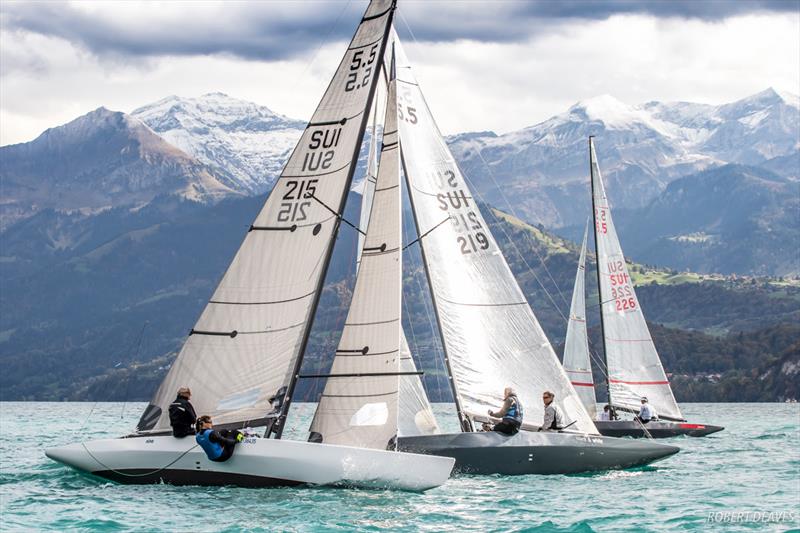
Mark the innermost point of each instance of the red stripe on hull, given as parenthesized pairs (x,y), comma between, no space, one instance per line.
(579,384)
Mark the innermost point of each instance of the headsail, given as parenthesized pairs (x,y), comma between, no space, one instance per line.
(491,337)
(576,346)
(246,345)
(415,415)
(361,409)
(634,368)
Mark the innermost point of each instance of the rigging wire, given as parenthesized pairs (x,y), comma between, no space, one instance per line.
(128,382)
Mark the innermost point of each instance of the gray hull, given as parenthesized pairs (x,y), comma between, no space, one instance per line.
(537,452)
(657,430)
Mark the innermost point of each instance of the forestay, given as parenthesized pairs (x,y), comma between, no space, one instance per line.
(246,344)
(358,406)
(491,337)
(634,368)
(576,346)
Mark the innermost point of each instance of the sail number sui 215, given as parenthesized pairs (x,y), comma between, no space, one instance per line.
(319,156)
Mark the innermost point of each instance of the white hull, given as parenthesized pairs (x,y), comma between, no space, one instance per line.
(255,463)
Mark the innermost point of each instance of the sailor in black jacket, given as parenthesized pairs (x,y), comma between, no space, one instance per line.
(181,414)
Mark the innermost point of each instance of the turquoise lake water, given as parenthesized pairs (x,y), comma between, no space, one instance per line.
(748,477)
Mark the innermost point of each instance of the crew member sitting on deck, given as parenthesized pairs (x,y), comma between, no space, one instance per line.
(605,416)
(553,419)
(218,445)
(647,412)
(511,414)
(181,414)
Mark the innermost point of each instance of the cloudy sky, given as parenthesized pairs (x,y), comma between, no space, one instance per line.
(483,65)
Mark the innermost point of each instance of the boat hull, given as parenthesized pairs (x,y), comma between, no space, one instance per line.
(537,452)
(657,430)
(255,463)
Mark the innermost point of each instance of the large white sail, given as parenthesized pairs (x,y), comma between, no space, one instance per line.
(415,415)
(358,406)
(634,368)
(491,337)
(246,344)
(576,346)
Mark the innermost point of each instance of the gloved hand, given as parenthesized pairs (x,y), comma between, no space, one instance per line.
(239,436)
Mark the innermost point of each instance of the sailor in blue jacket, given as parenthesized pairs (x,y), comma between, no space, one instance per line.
(218,445)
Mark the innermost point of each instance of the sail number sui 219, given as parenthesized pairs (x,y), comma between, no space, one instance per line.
(465,220)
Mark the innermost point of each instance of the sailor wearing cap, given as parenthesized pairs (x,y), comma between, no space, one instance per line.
(181,414)
(647,412)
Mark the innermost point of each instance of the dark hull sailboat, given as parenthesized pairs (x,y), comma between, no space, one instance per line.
(490,336)
(657,429)
(634,369)
(544,452)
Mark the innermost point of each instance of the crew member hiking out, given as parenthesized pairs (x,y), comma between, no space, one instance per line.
(218,445)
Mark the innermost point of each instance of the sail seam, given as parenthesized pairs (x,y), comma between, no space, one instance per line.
(262,303)
(359,353)
(316,175)
(357,395)
(371,323)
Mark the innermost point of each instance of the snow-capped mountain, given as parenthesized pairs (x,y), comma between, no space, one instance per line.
(245,143)
(100,160)
(641,149)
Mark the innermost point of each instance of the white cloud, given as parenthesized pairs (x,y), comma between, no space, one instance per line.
(470,85)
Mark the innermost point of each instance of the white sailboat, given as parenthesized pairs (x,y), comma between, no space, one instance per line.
(490,335)
(576,344)
(632,362)
(243,356)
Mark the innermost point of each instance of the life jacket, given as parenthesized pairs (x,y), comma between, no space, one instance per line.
(558,418)
(213,449)
(514,413)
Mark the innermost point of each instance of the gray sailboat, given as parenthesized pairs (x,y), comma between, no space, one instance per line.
(633,366)
(490,335)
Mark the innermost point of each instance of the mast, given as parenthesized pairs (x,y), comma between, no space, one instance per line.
(597,268)
(284,410)
(465,422)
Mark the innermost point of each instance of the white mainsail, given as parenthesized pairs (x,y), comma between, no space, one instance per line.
(491,337)
(245,346)
(576,346)
(358,406)
(634,368)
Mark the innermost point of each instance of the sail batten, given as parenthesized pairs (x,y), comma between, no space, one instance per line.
(577,362)
(273,283)
(633,365)
(490,335)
